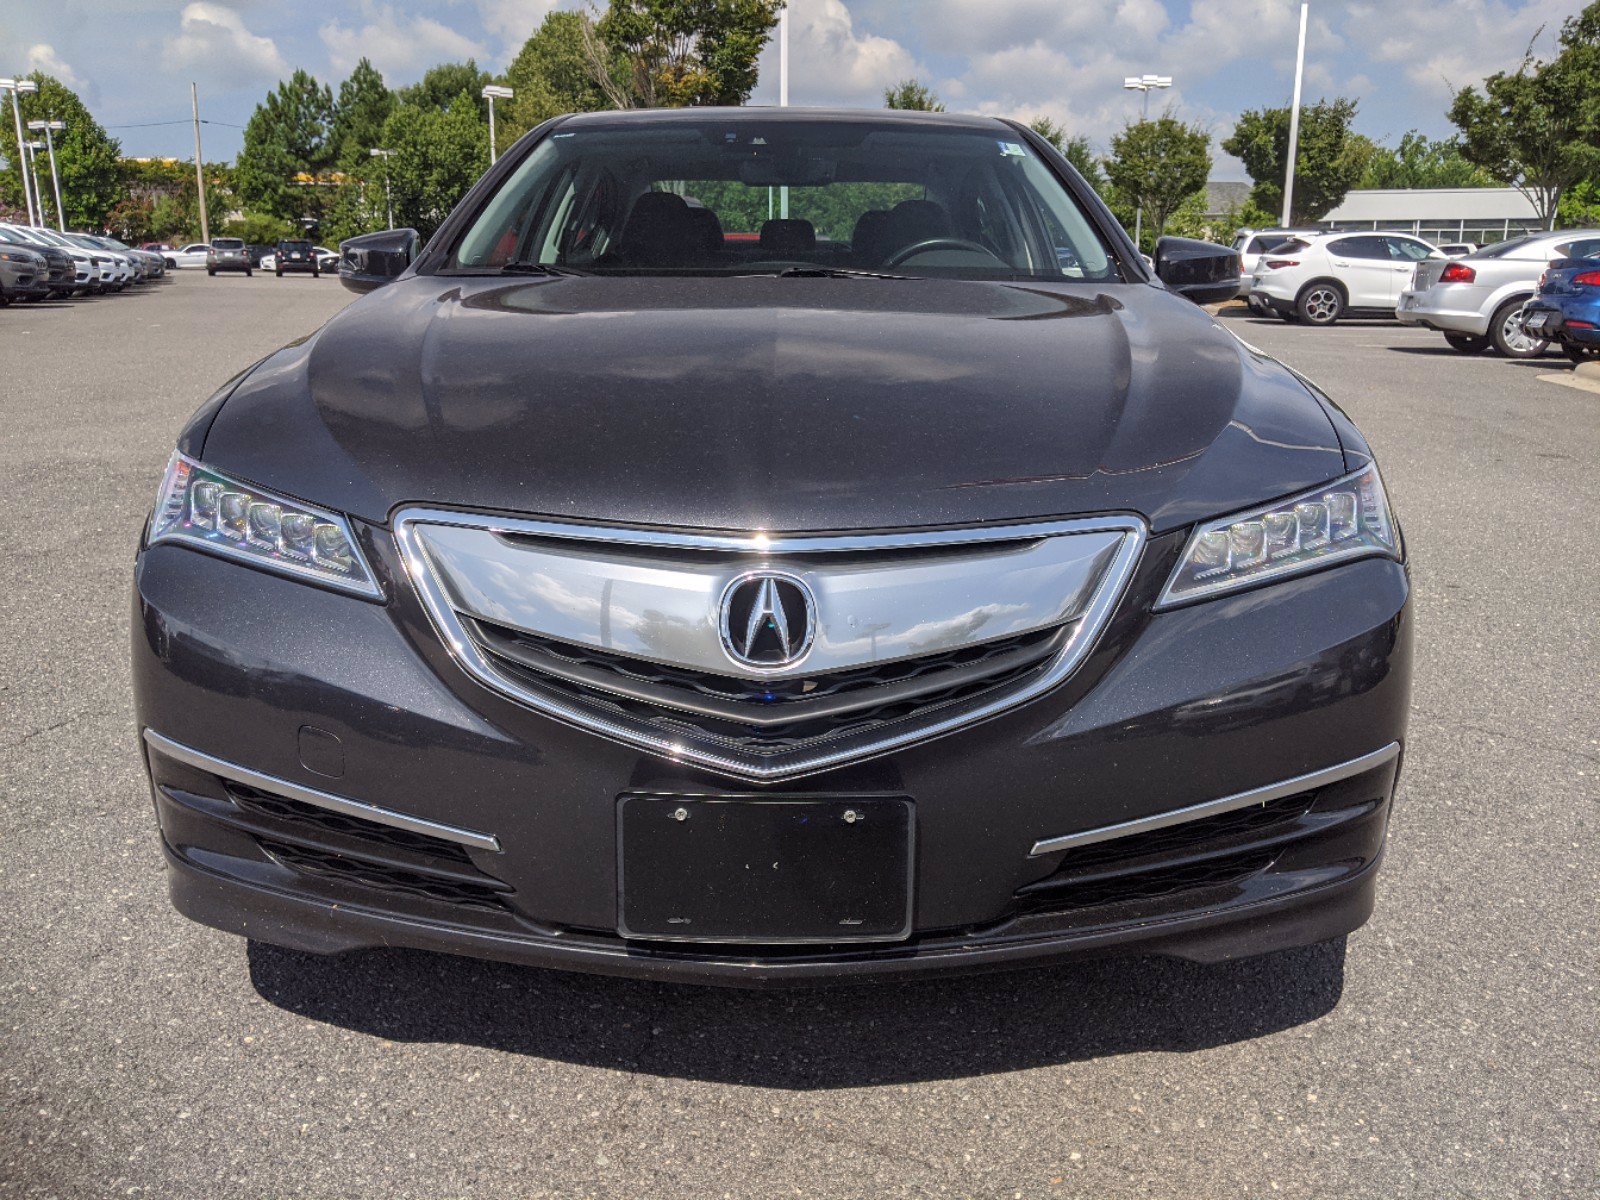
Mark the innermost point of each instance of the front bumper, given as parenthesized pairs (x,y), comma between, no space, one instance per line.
(356,700)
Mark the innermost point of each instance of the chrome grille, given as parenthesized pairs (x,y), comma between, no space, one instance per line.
(618,630)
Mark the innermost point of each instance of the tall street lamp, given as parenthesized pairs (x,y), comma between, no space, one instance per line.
(1294,119)
(491,93)
(50,128)
(33,170)
(388,202)
(1145,84)
(19,88)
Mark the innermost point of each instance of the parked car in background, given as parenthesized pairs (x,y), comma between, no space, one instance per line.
(24,273)
(321,254)
(151,266)
(93,272)
(1566,308)
(328,261)
(295,254)
(1253,243)
(1476,302)
(1319,278)
(228,254)
(195,254)
(61,269)
(1458,249)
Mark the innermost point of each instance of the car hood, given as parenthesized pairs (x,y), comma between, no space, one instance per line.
(778,404)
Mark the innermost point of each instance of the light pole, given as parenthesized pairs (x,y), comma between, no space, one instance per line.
(1294,118)
(491,93)
(388,202)
(19,88)
(783,91)
(1145,84)
(33,170)
(50,128)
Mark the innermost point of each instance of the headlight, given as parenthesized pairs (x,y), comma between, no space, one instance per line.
(198,506)
(16,256)
(1346,519)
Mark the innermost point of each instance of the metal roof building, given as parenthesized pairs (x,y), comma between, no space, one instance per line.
(1439,214)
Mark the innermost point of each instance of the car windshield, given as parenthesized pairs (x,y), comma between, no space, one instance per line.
(1501,249)
(742,196)
(227,244)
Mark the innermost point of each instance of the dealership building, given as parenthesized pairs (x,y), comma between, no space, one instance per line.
(1481,215)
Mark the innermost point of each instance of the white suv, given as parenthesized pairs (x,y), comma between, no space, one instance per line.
(1317,280)
(1253,243)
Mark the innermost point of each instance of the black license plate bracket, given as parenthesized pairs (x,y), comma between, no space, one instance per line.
(767,871)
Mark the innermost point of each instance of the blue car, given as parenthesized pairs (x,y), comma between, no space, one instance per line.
(1566,308)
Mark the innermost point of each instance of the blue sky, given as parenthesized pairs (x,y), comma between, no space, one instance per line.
(133,59)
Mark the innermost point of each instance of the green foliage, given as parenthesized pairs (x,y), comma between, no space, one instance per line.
(1421,162)
(912,95)
(259,229)
(1580,206)
(1076,150)
(364,105)
(1538,129)
(87,158)
(674,53)
(1330,158)
(175,213)
(1158,165)
(833,210)
(447,86)
(288,143)
(439,154)
(550,76)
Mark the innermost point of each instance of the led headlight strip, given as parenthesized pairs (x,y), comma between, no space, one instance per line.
(199,507)
(1346,519)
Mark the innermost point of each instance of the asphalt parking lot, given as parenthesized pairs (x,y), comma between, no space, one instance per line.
(1449,1050)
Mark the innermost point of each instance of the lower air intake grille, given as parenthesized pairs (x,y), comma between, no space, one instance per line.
(385,878)
(1097,891)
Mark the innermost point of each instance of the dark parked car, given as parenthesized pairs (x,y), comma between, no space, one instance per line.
(1566,308)
(24,272)
(634,582)
(296,256)
(228,254)
(60,275)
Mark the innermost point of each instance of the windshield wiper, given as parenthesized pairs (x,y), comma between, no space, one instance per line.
(533,268)
(832,273)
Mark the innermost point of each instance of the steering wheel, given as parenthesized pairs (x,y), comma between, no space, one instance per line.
(937,243)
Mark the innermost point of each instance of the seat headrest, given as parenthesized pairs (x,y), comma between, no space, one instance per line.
(661,231)
(786,236)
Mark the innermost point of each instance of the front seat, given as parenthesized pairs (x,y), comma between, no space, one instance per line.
(913,221)
(788,238)
(661,232)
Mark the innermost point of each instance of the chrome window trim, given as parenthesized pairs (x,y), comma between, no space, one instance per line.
(294,791)
(1086,629)
(1212,808)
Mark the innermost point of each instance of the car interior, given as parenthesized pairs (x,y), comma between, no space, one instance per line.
(953,203)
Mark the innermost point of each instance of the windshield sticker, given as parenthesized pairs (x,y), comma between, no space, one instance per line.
(1012,150)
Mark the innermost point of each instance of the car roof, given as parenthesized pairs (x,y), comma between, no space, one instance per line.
(754,115)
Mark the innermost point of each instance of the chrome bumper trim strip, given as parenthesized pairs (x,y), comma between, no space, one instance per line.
(295,791)
(1212,808)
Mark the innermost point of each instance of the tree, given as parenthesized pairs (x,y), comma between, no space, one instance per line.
(1076,150)
(1157,165)
(363,106)
(912,95)
(439,154)
(550,76)
(1422,162)
(87,157)
(288,145)
(175,215)
(1328,164)
(1538,129)
(674,53)
(447,86)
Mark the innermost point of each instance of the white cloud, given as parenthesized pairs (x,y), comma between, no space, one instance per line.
(831,62)
(513,21)
(1441,48)
(212,40)
(43,57)
(398,45)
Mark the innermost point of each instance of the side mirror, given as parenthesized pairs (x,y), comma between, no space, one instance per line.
(1202,271)
(374,259)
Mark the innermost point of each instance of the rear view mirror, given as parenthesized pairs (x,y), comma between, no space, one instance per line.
(374,259)
(1202,271)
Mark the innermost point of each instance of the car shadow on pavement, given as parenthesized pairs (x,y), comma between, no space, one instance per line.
(811,1038)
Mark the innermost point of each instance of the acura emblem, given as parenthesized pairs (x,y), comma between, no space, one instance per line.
(767,620)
